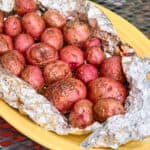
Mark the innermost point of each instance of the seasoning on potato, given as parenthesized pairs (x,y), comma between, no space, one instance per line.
(33,75)
(41,54)
(13,61)
(81,115)
(64,93)
(56,70)
(104,87)
(105,108)
(72,55)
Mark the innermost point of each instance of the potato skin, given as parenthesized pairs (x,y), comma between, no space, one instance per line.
(64,93)
(1,21)
(33,24)
(86,73)
(94,55)
(53,37)
(112,68)
(81,115)
(33,75)
(105,108)
(54,19)
(23,42)
(25,6)
(72,55)
(8,40)
(76,32)
(104,87)
(13,61)
(12,26)
(41,54)
(56,70)
(92,42)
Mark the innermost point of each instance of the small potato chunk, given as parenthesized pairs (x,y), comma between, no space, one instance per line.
(54,19)
(12,26)
(64,93)
(56,70)
(106,88)
(112,68)
(33,75)
(41,54)
(105,108)
(72,55)
(81,115)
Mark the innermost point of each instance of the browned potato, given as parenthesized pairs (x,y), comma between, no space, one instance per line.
(112,68)
(12,26)
(106,88)
(41,54)
(76,32)
(105,108)
(56,70)
(33,24)
(1,21)
(13,61)
(53,37)
(54,19)
(72,55)
(81,115)
(8,40)
(64,93)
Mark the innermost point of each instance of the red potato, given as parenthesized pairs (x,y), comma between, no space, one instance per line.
(23,42)
(13,61)
(53,37)
(94,55)
(106,88)
(92,42)
(76,32)
(64,93)
(112,68)
(8,40)
(105,108)
(33,75)
(86,73)
(56,70)
(12,26)
(41,54)
(82,114)
(72,55)
(54,19)
(33,24)
(1,21)
(25,6)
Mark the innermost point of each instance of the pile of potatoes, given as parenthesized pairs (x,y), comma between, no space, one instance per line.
(62,59)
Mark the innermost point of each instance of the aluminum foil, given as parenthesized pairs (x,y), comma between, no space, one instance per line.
(117,130)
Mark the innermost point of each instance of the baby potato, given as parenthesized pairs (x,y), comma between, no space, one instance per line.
(81,115)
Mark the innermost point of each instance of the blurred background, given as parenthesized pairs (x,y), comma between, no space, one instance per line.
(136,12)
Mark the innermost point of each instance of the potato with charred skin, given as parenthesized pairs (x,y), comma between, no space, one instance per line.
(76,32)
(41,54)
(94,55)
(64,93)
(33,75)
(86,73)
(13,61)
(33,24)
(54,19)
(25,6)
(105,108)
(23,42)
(53,37)
(104,87)
(81,115)
(92,42)
(72,55)
(12,26)
(1,21)
(112,68)
(56,70)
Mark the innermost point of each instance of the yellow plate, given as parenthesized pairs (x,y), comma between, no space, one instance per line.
(128,34)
